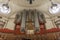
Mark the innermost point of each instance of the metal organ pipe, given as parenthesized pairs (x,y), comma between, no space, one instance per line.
(30,20)
(41,17)
(23,21)
(42,21)
(18,18)
(37,26)
(18,22)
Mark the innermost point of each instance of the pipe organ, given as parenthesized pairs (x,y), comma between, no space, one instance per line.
(29,20)
(30,24)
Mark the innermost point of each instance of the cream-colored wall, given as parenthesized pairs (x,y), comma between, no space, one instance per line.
(49,24)
(10,25)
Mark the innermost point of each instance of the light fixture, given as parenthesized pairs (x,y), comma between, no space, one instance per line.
(4,8)
(30,1)
(55,8)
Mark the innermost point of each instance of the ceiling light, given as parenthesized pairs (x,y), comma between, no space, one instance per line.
(4,8)
(55,8)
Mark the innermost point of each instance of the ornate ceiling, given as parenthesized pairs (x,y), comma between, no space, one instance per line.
(18,5)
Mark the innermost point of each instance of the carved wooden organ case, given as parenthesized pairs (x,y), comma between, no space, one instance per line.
(30,20)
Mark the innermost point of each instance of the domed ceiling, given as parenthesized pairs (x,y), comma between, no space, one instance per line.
(18,5)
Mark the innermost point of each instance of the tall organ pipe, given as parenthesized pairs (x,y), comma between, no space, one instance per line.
(23,21)
(37,26)
(41,17)
(18,18)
